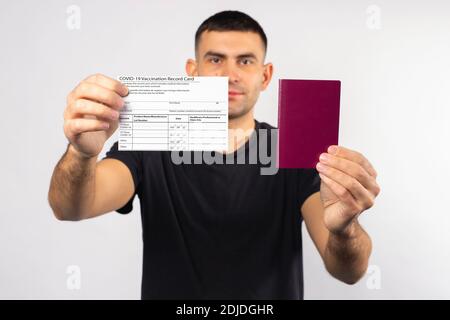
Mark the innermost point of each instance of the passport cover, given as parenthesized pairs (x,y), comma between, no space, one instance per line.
(308,120)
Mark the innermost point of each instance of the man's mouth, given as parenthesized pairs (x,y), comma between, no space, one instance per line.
(234,93)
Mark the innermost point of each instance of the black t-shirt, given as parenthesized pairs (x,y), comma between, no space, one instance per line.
(218,231)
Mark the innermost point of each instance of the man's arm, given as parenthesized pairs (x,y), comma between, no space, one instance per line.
(345,255)
(83,188)
(348,187)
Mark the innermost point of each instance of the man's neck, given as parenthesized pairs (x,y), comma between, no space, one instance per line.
(239,130)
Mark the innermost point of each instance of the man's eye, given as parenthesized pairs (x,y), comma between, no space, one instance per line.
(214,60)
(246,61)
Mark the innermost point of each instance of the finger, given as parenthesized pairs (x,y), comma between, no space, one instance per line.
(77,126)
(361,194)
(87,107)
(353,155)
(342,193)
(95,92)
(108,83)
(352,169)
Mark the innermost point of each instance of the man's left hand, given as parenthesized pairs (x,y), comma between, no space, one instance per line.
(348,187)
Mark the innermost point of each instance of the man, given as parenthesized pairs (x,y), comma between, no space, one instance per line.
(221,230)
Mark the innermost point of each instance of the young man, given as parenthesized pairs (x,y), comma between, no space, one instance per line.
(221,230)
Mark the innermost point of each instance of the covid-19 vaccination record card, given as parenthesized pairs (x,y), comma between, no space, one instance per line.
(174,113)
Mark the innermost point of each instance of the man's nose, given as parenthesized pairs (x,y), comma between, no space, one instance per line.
(231,71)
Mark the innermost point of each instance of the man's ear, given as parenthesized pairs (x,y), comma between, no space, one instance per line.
(267,75)
(191,68)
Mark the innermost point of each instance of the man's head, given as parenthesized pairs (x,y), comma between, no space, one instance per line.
(232,44)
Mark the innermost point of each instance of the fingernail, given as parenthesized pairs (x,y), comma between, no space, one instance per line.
(332,149)
(115,115)
(105,125)
(319,166)
(324,157)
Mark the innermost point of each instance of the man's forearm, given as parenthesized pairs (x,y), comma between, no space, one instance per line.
(72,185)
(347,255)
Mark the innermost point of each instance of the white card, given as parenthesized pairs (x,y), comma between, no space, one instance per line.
(174,113)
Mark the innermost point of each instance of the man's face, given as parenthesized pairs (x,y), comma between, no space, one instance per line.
(239,56)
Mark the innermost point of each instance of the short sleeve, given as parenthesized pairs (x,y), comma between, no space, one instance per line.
(309,183)
(133,160)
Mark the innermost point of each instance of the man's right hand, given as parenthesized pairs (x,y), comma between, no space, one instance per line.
(92,113)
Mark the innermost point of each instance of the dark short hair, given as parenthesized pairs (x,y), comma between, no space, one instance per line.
(230,21)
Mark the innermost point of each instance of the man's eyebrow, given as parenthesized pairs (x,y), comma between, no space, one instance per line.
(247,55)
(215,54)
(221,55)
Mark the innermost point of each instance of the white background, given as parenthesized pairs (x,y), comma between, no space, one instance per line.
(394,109)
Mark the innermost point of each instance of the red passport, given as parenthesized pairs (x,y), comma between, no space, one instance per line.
(308,120)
